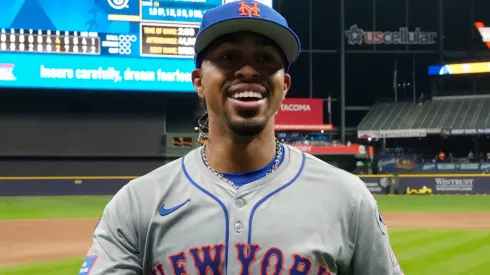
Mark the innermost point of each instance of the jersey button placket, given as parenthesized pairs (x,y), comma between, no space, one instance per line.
(239,203)
(238,227)
(239,214)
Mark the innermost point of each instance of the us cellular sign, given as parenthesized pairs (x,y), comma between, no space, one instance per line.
(403,36)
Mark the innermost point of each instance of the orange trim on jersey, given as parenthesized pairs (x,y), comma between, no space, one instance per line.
(322,270)
(246,253)
(158,269)
(301,266)
(201,256)
(269,262)
(179,263)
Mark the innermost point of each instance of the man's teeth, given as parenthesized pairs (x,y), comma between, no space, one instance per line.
(248,95)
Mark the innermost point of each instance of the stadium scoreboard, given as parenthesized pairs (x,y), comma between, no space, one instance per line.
(171,41)
(129,38)
(166,29)
(41,41)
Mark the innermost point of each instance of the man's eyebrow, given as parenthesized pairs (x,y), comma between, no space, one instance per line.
(235,41)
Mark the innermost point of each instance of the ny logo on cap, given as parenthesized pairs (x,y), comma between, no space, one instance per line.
(246,10)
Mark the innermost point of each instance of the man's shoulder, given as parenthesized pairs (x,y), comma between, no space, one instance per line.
(327,174)
(163,172)
(167,176)
(165,181)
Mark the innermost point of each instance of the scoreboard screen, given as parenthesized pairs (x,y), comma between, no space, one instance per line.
(132,45)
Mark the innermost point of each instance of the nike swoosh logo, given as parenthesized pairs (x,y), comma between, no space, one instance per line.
(165,212)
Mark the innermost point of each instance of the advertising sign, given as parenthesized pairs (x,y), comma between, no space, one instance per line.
(397,163)
(354,149)
(408,163)
(444,185)
(460,68)
(377,185)
(402,36)
(480,131)
(445,167)
(301,114)
(401,133)
(484,32)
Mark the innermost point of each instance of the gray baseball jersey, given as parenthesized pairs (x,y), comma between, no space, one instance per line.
(307,217)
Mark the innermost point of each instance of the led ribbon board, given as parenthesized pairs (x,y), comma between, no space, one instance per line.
(132,45)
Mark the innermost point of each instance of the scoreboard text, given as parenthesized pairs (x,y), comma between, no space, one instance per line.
(47,41)
(168,40)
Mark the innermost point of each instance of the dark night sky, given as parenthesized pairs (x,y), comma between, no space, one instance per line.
(370,76)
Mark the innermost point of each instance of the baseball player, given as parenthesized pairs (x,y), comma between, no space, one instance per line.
(243,203)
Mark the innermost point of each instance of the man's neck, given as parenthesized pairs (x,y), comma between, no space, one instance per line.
(228,155)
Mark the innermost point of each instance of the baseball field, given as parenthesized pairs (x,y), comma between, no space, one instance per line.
(435,234)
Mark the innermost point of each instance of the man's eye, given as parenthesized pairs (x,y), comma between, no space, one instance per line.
(229,56)
(266,58)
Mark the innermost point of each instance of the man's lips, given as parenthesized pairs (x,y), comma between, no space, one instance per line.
(247,90)
(247,106)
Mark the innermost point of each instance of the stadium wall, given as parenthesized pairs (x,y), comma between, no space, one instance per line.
(427,184)
(61,186)
(80,167)
(67,124)
(109,185)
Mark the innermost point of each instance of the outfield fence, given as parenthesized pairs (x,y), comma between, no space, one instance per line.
(423,184)
(61,186)
(410,184)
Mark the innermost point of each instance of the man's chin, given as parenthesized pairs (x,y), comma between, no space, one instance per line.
(247,129)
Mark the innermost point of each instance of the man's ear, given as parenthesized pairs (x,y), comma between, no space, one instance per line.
(197,82)
(287,84)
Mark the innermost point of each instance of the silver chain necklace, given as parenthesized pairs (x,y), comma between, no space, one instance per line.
(232,184)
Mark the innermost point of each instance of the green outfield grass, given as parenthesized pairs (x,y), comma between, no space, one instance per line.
(52,207)
(419,251)
(91,207)
(59,267)
(442,252)
(434,203)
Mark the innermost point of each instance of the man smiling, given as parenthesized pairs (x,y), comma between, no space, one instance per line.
(243,203)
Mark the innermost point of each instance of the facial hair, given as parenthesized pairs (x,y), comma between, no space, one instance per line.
(246,130)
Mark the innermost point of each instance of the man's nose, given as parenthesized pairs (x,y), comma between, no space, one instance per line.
(247,72)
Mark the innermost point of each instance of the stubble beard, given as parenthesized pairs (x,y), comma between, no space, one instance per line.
(246,130)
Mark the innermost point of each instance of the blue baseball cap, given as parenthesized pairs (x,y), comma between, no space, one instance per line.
(251,16)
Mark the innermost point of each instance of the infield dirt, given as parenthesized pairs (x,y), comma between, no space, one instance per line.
(27,241)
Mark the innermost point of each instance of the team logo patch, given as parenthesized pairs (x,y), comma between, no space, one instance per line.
(380,220)
(88,264)
(246,10)
(395,263)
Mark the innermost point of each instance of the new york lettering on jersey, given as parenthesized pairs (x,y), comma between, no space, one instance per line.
(210,259)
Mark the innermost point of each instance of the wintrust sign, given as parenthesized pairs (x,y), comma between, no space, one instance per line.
(301,114)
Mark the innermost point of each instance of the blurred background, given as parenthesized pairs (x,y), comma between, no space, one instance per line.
(95,93)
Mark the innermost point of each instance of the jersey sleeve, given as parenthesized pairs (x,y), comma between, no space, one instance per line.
(115,243)
(373,254)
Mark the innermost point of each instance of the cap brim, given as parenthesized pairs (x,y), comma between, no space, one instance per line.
(284,37)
